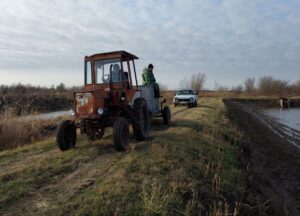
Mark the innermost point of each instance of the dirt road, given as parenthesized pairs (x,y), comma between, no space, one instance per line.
(273,154)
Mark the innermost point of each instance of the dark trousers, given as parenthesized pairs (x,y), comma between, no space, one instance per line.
(156,90)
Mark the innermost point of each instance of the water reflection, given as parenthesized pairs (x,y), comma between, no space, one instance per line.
(289,117)
(50,115)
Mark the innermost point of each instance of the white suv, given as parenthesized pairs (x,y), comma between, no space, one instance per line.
(186,97)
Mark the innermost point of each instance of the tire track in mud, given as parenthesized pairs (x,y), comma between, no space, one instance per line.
(291,135)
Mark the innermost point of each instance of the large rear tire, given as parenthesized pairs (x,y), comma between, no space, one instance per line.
(166,113)
(66,135)
(121,134)
(141,121)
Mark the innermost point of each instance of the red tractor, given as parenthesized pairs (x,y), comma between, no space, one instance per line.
(111,99)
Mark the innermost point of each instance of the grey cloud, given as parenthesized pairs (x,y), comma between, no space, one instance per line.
(236,38)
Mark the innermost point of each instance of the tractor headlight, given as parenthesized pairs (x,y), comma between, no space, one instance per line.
(100,111)
(72,112)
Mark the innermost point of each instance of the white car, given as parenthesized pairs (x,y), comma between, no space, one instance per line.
(186,97)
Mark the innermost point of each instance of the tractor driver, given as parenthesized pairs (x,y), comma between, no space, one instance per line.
(115,74)
(149,79)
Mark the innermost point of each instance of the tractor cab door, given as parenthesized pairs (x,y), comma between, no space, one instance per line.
(128,69)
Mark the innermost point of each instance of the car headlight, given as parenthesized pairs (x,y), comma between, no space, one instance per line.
(175,99)
(192,99)
(100,111)
(72,112)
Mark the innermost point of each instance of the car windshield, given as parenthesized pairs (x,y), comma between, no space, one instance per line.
(185,92)
(103,69)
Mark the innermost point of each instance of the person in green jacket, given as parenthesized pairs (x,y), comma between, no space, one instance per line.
(149,79)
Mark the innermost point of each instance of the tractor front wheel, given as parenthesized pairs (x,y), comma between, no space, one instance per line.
(66,135)
(121,134)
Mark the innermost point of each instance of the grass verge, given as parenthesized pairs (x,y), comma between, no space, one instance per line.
(188,168)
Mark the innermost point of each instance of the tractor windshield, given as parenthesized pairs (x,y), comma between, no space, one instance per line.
(185,92)
(106,68)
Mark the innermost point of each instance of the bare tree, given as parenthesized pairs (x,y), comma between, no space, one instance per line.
(265,85)
(61,87)
(269,86)
(196,82)
(250,86)
(297,87)
(237,89)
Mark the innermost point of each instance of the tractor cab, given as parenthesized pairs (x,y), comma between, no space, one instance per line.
(115,68)
(108,83)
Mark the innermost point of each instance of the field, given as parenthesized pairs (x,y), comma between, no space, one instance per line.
(191,167)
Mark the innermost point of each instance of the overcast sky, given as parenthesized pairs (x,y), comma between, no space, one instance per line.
(44,42)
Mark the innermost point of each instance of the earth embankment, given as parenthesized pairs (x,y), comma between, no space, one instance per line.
(273,156)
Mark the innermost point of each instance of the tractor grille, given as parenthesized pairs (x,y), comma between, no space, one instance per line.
(84,103)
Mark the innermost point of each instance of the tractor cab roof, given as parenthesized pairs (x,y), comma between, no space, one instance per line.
(111,55)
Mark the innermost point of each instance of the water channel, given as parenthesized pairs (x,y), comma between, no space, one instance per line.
(288,116)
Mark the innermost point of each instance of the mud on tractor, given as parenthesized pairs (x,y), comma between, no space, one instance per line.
(110,98)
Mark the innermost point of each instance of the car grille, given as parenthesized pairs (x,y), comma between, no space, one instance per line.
(184,100)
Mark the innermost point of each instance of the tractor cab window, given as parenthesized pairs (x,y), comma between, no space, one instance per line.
(125,70)
(106,68)
(88,72)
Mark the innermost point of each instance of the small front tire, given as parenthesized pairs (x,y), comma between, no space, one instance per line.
(66,135)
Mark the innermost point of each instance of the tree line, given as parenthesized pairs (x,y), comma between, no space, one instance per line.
(23,89)
(264,86)
(269,86)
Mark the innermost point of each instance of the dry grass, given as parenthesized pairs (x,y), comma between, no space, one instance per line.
(17,131)
(189,168)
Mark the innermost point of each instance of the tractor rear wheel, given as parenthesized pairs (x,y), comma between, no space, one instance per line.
(141,121)
(166,113)
(66,135)
(121,134)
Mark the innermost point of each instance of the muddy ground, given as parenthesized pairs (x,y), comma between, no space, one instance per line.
(273,155)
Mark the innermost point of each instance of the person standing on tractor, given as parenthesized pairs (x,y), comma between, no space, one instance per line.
(149,79)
